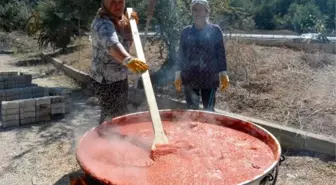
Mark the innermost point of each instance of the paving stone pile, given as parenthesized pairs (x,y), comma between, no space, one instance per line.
(23,102)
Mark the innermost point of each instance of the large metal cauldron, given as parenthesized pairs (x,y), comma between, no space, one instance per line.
(269,176)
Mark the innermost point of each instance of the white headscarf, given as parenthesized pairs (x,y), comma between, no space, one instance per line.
(203,2)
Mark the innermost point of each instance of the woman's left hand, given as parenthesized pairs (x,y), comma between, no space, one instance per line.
(135,16)
(223,80)
(127,35)
(178,81)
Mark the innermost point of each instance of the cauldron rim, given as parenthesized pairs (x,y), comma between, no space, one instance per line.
(132,118)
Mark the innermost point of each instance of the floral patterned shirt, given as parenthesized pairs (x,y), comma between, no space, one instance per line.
(105,66)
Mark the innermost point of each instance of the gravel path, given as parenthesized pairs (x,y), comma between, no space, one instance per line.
(43,154)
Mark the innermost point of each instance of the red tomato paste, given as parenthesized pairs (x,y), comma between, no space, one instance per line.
(198,154)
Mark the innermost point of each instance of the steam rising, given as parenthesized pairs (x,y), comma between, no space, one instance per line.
(131,155)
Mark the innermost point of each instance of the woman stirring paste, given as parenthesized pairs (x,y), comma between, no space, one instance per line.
(111,60)
(201,65)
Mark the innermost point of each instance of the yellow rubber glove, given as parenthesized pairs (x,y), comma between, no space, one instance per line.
(178,81)
(135,65)
(223,80)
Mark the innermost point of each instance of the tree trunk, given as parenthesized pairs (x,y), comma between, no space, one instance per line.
(166,12)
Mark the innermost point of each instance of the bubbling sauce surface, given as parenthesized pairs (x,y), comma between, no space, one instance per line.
(198,154)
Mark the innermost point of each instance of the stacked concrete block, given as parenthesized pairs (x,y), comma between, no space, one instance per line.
(57,105)
(9,74)
(27,111)
(23,93)
(26,93)
(11,80)
(12,94)
(23,81)
(39,92)
(22,102)
(54,91)
(59,92)
(43,109)
(33,110)
(2,83)
(10,113)
(3,96)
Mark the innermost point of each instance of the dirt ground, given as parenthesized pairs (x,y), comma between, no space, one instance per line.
(44,154)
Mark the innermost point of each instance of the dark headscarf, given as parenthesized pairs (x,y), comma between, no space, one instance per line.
(119,22)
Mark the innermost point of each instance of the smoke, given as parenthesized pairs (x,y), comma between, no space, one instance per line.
(130,153)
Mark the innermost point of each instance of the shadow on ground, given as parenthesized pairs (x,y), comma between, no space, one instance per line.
(302,153)
(65,180)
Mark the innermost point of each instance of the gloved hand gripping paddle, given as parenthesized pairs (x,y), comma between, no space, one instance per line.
(135,65)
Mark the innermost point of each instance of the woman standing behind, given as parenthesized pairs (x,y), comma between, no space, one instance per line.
(201,67)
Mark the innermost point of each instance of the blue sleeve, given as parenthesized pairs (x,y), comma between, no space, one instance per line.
(106,33)
(221,55)
(181,51)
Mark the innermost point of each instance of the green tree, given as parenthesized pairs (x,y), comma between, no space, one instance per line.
(13,15)
(264,17)
(167,16)
(306,17)
(57,28)
(270,14)
(232,14)
(331,21)
(61,20)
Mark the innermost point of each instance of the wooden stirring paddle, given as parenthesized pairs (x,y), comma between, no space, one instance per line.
(160,137)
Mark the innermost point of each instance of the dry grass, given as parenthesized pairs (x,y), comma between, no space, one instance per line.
(285,86)
(80,58)
(20,43)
